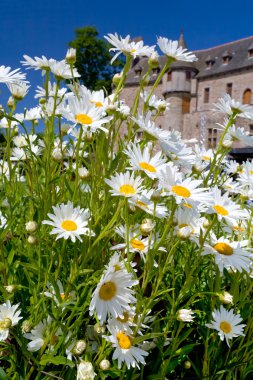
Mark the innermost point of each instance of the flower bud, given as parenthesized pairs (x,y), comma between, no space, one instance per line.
(99,329)
(116,79)
(156,196)
(226,298)
(187,364)
(88,136)
(57,154)
(35,121)
(185,315)
(71,56)
(85,371)
(146,80)
(79,347)
(184,232)
(154,60)
(10,102)
(227,143)
(206,223)
(111,109)
(162,106)
(132,208)
(31,226)
(147,226)
(32,239)
(10,288)
(83,173)
(104,365)
(65,128)
(42,101)
(26,326)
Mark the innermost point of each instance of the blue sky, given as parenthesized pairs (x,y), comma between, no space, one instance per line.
(45,27)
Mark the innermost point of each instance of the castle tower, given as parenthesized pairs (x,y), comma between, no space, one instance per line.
(177,89)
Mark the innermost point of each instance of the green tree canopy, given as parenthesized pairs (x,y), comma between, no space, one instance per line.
(93,59)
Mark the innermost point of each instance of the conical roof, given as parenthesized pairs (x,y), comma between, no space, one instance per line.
(181,40)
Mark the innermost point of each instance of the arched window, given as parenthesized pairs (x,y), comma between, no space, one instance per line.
(246,99)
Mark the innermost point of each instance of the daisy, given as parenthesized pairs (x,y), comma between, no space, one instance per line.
(175,52)
(239,134)
(224,207)
(144,202)
(123,45)
(18,89)
(37,63)
(39,335)
(231,107)
(179,153)
(125,350)
(85,371)
(79,111)
(9,316)
(183,190)
(142,160)
(57,293)
(62,70)
(189,222)
(185,315)
(69,222)
(147,125)
(33,114)
(154,102)
(226,323)
(41,92)
(124,184)
(113,295)
(7,76)
(123,324)
(229,254)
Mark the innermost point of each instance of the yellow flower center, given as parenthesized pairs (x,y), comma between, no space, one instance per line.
(206,158)
(251,172)
(224,249)
(97,104)
(133,50)
(142,204)
(237,228)
(220,210)
(225,327)
(6,323)
(127,189)
(69,225)
(107,291)
(183,225)
(62,295)
(181,191)
(148,167)
(124,341)
(116,268)
(137,244)
(125,317)
(84,119)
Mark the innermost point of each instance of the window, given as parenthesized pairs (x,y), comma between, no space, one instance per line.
(251,129)
(206,95)
(186,104)
(169,76)
(229,89)
(212,137)
(246,99)
(250,54)
(225,60)
(188,75)
(138,71)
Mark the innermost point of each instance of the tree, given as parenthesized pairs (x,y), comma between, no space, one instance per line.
(93,59)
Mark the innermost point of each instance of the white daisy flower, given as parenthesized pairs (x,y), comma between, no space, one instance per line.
(142,160)
(69,222)
(79,111)
(229,254)
(39,334)
(37,63)
(33,114)
(224,207)
(62,70)
(125,324)
(147,125)
(175,52)
(179,153)
(183,190)
(232,107)
(226,323)
(41,92)
(144,202)
(18,89)
(123,45)
(231,167)
(125,350)
(239,134)
(7,76)
(155,103)
(85,371)
(185,315)
(9,316)
(57,294)
(124,184)
(113,295)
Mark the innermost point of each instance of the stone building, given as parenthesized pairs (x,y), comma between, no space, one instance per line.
(192,88)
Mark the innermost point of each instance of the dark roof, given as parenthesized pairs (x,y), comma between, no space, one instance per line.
(237,51)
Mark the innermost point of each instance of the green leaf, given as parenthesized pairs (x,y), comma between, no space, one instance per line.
(57,360)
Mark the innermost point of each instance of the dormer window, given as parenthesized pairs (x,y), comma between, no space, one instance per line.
(209,62)
(169,76)
(156,71)
(188,75)
(250,51)
(226,57)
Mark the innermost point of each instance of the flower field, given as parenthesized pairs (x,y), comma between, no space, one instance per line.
(125,250)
